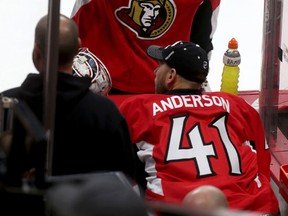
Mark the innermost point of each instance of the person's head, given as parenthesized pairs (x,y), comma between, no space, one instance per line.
(182,65)
(86,64)
(205,197)
(68,44)
(101,195)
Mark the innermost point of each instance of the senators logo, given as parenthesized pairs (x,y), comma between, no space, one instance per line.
(149,19)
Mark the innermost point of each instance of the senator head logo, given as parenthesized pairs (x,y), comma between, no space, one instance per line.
(148,19)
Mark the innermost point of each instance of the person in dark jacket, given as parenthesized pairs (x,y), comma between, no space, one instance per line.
(90,134)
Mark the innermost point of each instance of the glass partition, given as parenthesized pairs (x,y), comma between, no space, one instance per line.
(273,94)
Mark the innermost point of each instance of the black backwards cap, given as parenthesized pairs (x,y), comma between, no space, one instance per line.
(189,59)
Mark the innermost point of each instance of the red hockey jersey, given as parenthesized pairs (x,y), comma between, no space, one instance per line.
(119,31)
(190,140)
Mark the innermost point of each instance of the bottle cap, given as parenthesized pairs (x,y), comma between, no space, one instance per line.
(233,44)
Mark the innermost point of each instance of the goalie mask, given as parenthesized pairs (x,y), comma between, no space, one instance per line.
(86,64)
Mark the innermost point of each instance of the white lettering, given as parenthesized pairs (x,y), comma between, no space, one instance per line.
(225,104)
(156,108)
(166,104)
(216,100)
(197,100)
(208,99)
(187,100)
(176,102)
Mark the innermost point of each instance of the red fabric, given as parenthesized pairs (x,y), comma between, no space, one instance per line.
(202,142)
(215,4)
(107,29)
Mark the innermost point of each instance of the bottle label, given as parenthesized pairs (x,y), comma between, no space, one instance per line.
(232,57)
(231,61)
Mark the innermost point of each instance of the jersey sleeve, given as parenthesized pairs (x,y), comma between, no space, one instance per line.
(256,136)
(205,23)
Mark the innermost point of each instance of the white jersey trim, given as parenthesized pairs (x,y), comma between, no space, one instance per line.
(145,153)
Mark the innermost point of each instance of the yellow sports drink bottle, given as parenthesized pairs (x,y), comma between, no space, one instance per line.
(230,74)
